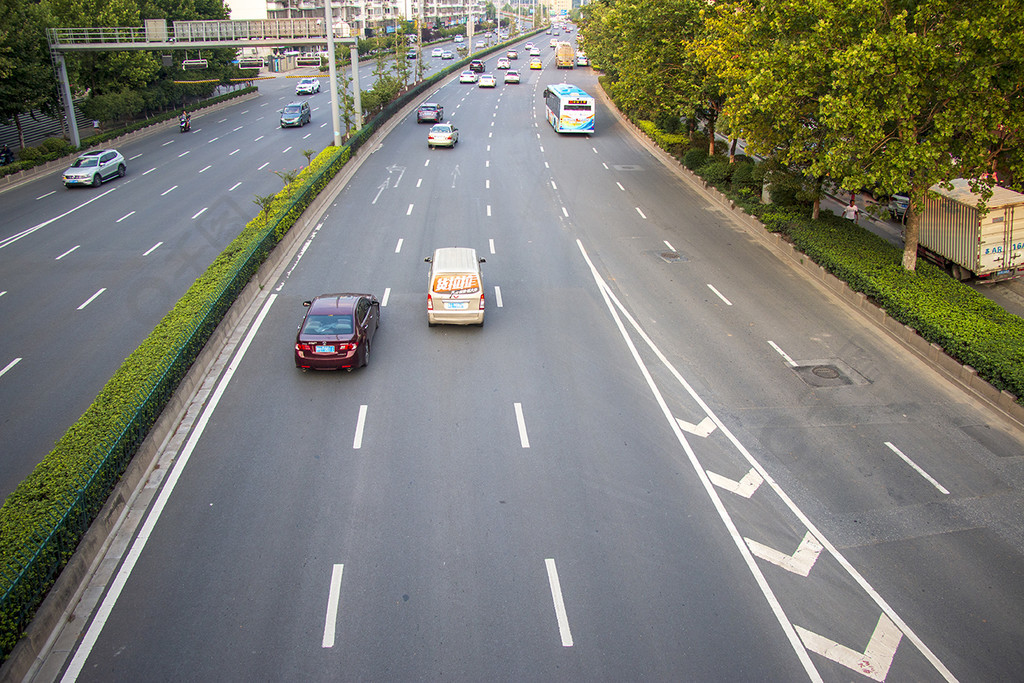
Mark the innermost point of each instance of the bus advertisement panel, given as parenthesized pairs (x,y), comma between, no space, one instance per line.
(569,109)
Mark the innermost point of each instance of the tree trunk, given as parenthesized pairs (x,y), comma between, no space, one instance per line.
(711,137)
(912,221)
(732,151)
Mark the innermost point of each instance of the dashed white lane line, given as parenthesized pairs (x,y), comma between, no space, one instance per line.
(152,249)
(205,168)
(488,209)
(92,298)
(398,247)
(524,440)
(67,252)
(620,186)
(408,212)
(917,469)
(231,154)
(357,442)
(9,366)
(719,294)
(387,295)
(124,216)
(333,599)
(172,189)
(235,186)
(565,212)
(200,212)
(556,597)
(642,214)
(553,186)
(669,245)
(782,353)
(265,164)
(497,296)
(490,243)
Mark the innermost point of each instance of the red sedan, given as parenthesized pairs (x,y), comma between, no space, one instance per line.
(337,332)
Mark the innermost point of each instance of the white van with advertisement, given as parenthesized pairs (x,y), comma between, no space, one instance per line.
(455,287)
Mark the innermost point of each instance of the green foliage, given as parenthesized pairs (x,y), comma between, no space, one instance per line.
(717,171)
(694,158)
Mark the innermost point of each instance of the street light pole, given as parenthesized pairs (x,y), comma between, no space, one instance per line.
(333,71)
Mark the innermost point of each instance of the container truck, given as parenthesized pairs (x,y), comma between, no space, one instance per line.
(969,241)
(565,55)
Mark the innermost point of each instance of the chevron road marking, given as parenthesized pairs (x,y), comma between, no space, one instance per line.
(799,562)
(744,487)
(876,659)
(702,429)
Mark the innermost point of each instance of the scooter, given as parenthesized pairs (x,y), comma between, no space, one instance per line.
(184,124)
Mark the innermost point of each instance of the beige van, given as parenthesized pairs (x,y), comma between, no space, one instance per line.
(455,287)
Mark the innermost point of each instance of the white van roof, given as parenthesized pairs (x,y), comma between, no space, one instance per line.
(455,260)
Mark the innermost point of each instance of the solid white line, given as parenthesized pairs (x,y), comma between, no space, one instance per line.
(408,211)
(357,442)
(333,597)
(25,233)
(716,501)
(398,247)
(168,191)
(918,469)
(491,242)
(712,288)
(170,481)
(200,212)
(387,294)
(782,353)
(9,366)
(556,597)
(92,298)
(153,248)
(67,252)
(524,440)
(235,186)
(641,213)
(497,295)
(124,216)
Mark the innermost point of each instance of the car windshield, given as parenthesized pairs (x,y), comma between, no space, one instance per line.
(328,324)
(83,162)
(292,109)
(308,81)
(440,129)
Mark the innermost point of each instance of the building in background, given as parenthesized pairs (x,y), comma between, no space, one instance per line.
(378,15)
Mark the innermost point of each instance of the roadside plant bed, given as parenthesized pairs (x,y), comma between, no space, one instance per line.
(969,327)
(43,520)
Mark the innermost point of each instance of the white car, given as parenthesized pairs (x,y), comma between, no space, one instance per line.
(92,168)
(487,81)
(581,59)
(442,135)
(503,63)
(535,52)
(468,77)
(511,76)
(307,86)
(436,52)
(447,54)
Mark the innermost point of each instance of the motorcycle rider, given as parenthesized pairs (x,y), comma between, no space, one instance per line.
(185,120)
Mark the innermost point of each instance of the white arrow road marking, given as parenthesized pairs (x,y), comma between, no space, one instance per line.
(702,429)
(876,659)
(799,562)
(744,487)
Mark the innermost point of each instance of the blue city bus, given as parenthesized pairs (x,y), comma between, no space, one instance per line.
(569,109)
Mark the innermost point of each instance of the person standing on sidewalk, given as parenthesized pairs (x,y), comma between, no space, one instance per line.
(852,211)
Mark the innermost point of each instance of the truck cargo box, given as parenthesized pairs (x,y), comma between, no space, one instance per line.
(985,244)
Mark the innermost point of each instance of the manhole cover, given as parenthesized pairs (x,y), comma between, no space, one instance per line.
(825,371)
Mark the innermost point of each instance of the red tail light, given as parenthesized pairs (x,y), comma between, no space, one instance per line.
(303,347)
(481,301)
(430,303)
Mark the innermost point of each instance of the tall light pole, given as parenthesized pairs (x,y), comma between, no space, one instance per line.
(333,71)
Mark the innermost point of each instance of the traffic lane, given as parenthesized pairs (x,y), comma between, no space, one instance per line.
(854,432)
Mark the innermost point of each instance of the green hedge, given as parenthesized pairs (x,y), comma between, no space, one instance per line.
(967,325)
(43,520)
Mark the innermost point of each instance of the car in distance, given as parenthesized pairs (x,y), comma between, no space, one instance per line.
(512,54)
(487,81)
(503,63)
(337,331)
(429,111)
(307,86)
(535,63)
(581,59)
(92,168)
(535,52)
(477,66)
(410,54)
(511,76)
(437,52)
(442,135)
(468,77)
(295,114)
(898,205)
(447,54)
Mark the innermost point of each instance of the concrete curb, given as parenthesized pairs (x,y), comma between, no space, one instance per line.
(21,177)
(963,376)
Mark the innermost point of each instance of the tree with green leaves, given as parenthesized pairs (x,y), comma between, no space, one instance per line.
(27,80)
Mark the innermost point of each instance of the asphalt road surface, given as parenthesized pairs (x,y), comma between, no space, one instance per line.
(666,456)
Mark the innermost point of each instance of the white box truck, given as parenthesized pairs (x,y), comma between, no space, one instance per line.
(973,243)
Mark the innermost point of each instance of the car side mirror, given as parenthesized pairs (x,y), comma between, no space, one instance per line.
(307,304)
(483,260)
(428,260)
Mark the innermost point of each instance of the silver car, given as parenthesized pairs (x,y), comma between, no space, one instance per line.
(92,168)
